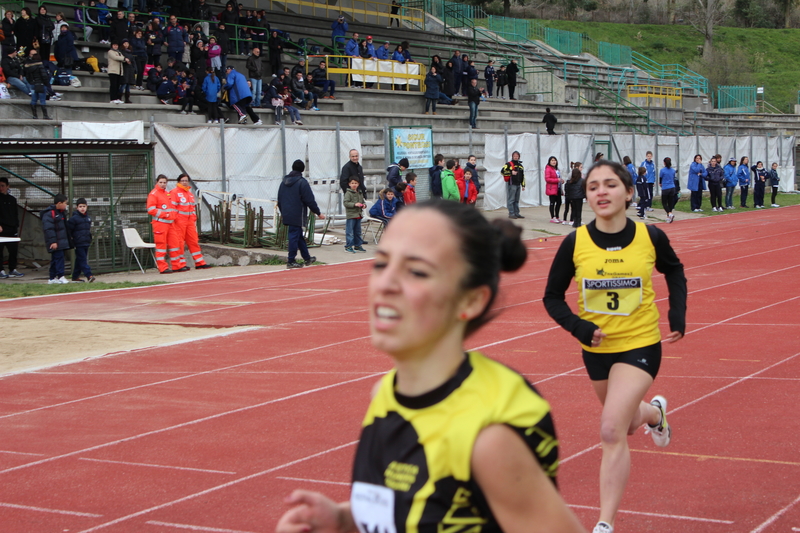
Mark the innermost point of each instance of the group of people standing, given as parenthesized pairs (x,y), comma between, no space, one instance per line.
(729,176)
(173,216)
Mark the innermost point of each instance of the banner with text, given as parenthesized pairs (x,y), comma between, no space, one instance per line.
(415,144)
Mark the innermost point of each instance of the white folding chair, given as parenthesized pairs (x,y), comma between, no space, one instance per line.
(134,242)
(374,225)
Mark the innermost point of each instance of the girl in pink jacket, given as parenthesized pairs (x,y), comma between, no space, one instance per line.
(552,178)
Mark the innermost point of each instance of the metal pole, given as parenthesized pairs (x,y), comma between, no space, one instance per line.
(538,164)
(111,211)
(566,145)
(470,140)
(633,144)
(71,194)
(152,128)
(716,144)
(505,140)
(387,147)
(222,155)
(766,151)
(339,197)
(657,170)
(283,148)
(678,162)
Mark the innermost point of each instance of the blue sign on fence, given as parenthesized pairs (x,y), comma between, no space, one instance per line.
(415,144)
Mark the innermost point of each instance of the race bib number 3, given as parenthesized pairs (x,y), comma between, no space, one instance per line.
(616,296)
(373,508)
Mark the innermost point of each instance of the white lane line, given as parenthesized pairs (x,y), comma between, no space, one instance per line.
(179,378)
(226,333)
(304,480)
(712,393)
(157,466)
(514,338)
(771,520)
(658,515)
(46,510)
(186,424)
(195,528)
(218,487)
(21,453)
(744,314)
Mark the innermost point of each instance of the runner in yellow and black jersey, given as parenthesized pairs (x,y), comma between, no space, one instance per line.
(452,442)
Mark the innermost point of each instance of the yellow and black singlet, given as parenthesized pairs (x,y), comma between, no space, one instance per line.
(613,273)
(412,471)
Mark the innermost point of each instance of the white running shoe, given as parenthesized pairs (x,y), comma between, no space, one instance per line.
(257,123)
(53,281)
(603,527)
(775,205)
(63,280)
(662,432)
(243,119)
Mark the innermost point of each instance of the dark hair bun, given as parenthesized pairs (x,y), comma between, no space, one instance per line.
(513,252)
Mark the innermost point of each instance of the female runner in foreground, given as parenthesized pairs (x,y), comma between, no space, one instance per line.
(612,261)
(451,439)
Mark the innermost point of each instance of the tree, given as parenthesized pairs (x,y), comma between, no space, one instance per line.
(786,9)
(706,15)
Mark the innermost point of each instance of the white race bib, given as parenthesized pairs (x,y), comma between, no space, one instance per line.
(373,508)
(615,296)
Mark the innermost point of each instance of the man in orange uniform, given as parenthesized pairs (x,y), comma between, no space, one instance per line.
(159,207)
(186,221)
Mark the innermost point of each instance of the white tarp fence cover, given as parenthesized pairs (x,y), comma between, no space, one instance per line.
(253,161)
(535,150)
(104,130)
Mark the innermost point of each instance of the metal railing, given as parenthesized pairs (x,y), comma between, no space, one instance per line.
(370,75)
(675,71)
(618,105)
(668,97)
(366,11)
(737,99)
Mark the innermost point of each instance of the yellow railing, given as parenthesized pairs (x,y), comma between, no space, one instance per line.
(360,71)
(657,95)
(366,11)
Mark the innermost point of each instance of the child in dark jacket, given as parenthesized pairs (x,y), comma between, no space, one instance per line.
(353,204)
(385,208)
(80,227)
(56,237)
(576,194)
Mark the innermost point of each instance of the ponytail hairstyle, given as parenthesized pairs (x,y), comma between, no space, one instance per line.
(668,162)
(487,248)
(576,175)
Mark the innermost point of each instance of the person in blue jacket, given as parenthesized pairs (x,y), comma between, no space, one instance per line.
(489,76)
(338,31)
(383,51)
(65,52)
(386,207)
(435,176)
(176,37)
(295,198)
(351,48)
(696,183)
(669,188)
(743,177)
(398,54)
(393,171)
(650,166)
(730,182)
(240,96)
(56,237)
(458,68)
(80,227)
(211,88)
(759,184)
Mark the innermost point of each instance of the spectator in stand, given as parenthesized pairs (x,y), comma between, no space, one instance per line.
(457,67)
(59,22)
(352,168)
(383,53)
(115,70)
(465,73)
(230,18)
(502,81)
(275,51)
(140,51)
(198,57)
(407,52)
(393,176)
(9,43)
(118,27)
(299,67)
(410,194)
(320,75)
(395,10)
(299,90)
(64,50)
(154,40)
(12,68)
(211,88)
(25,30)
(155,76)
(214,53)
(288,106)
(436,61)
(128,70)
(201,12)
(133,25)
(433,82)
(167,90)
(489,76)
(338,31)
(56,236)
(398,54)
(224,45)
(435,176)
(512,72)
(550,121)
(44,33)
(176,37)
(474,98)
(83,19)
(371,48)
(9,227)
(255,71)
(261,29)
(295,198)
(239,96)
(448,87)
(185,97)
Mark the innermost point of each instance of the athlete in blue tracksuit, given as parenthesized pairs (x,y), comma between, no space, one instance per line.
(730,182)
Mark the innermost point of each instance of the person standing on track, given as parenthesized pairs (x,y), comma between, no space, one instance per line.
(651,178)
(669,189)
(162,218)
(730,182)
(774,182)
(743,175)
(453,433)
(612,260)
(185,226)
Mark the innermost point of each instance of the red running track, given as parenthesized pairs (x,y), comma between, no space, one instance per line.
(211,435)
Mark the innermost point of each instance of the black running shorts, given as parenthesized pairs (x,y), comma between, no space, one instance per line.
(598,365)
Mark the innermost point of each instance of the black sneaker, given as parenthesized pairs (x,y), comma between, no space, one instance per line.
(201,267)
(520,216)
(294,264)
(310,260)
(167,271)
(183,269)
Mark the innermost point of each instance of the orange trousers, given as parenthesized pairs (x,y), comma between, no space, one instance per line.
(186,230)
(166,239)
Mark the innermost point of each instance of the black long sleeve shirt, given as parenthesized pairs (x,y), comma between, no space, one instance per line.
(562,272)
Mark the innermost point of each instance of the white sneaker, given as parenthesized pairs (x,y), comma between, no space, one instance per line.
(3,274)
(257,123)
(603,527)
(14,274)
(662,432)
(63,280)
(243,119)
(208,122)
(634,204)
(53,281)
(775,205)
(649,209)
(670,218)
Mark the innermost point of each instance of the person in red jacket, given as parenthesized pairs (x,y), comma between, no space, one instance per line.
(552,178)
(470,193)
(186,222)
(410,194)
(162,217)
